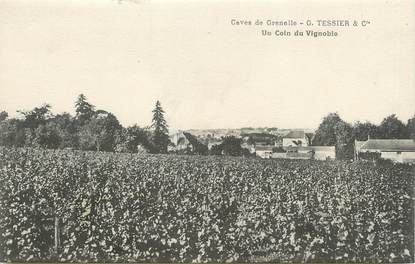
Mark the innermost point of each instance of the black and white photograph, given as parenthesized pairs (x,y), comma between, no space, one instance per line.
(155,131)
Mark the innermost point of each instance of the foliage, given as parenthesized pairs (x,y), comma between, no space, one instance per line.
(38,116)
(392,127)
(344,140)
(326,132)
(362,131)
(132,138)
(410,126)
(333,131)
(12,133)
(216,149)
(167,208)
(67,129)
(197,147)
(100,132)
(47,136)
(90,129)
(84,110)
(230,146)
(3,116)
(310,138)
(161,132)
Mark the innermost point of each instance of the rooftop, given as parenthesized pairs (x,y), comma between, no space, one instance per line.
(316,148)
(295,134)
(264,148)
(387,144)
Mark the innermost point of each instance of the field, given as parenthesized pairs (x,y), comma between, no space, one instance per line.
(125,207)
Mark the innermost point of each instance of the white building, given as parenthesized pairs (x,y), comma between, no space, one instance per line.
(398,150)
(295,138)
(264,152)
(318,152)
(308,152)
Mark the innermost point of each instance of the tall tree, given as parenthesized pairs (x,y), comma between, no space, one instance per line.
(392,127)
(410,126)
(333,131)
(344,140)
(84,110)
(161,131)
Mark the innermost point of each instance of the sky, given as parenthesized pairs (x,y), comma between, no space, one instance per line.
(207,73)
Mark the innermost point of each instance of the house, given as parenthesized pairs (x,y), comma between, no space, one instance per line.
(295,138)
(179,142)
(296,152)
(397,150)
(312,152)
(264,152)
(186,143)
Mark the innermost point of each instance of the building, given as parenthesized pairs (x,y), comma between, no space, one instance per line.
(312,152)
(264,152)
(297,152)
(185,142)
(179,142)
(295,138)
(398,150)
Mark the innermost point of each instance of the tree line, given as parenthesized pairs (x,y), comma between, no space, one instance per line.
(100,130)
(89,129)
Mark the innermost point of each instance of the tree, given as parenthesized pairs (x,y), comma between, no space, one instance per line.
(333,131)
(84,110)
(197,146)
(12,133)
(132,138)
(392,127)
(309,137)
(67,130)
(362,131)
(216,149)
(160,127)
(100,132)
(344,140)
(410,126)
(326,132)
(47,136)
(232,146)
(3,115)
(37,116)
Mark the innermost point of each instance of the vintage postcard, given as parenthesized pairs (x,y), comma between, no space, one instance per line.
(207,131)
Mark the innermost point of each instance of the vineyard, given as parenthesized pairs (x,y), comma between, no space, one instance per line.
(166,208)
